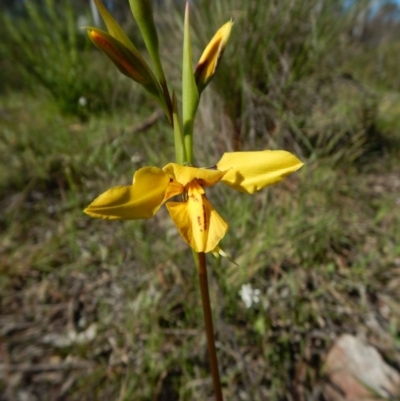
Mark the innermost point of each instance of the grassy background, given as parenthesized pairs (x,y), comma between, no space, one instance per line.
(95,310)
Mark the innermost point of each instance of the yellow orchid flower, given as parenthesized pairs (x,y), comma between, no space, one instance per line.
(198,222)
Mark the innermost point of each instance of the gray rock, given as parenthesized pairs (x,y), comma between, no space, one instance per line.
(356,371)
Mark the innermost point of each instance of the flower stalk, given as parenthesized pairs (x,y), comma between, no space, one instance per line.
(208,322)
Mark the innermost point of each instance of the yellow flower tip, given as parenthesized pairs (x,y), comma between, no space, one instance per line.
(211,56)
(107,205)
(100,40)
(96,38)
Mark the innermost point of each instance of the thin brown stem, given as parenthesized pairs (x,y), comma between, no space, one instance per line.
(205,297)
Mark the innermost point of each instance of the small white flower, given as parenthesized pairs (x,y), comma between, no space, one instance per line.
(82,101)
(249,295)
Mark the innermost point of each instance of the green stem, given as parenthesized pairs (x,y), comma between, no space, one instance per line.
(205,297)
(168,101)
(188,139)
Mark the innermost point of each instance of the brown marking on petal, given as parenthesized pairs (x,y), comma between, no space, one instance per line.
(199,71)
(199,223)
(203,65)
(205,217)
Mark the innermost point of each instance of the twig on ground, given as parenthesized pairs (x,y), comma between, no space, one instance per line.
(43,367)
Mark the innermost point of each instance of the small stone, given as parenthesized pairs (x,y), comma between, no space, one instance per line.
(356,371)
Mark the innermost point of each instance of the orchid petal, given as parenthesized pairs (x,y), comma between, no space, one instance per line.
(251,171)
(174,188)
(186,174)
(141,200)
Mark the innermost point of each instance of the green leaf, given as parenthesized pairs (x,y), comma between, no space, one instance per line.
(143,13)
(180,153)
(190,94)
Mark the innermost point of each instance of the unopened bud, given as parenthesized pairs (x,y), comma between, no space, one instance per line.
(211,56)
(121,56)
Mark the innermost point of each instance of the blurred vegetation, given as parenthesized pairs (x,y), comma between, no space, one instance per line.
(115,306)
(45,47)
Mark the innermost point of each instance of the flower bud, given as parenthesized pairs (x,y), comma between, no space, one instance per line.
(211,56)
(124,60)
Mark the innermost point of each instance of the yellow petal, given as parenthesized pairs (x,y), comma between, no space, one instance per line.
(185,174)
(141,200)
(251,171)
(198,222)
(173,189)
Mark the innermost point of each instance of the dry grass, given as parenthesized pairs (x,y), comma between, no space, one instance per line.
(99,310)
